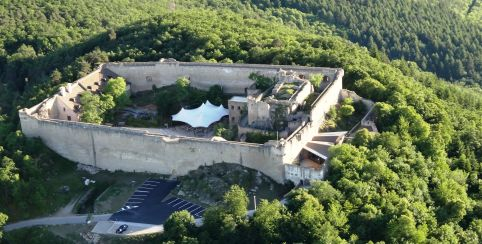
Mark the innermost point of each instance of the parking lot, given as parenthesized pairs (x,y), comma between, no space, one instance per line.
(180,204)
(146,205)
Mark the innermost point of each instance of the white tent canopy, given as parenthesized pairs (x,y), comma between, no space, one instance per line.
(203,116)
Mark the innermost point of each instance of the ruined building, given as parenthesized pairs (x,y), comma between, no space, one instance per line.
(290,105)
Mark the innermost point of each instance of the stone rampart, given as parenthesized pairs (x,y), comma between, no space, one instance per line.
(115,148)
(328,98)
(234,78)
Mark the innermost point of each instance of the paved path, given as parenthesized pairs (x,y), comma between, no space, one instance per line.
(73,219)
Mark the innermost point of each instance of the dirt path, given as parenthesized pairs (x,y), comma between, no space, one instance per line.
(67,209)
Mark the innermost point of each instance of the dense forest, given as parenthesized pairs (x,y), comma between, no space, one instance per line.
(418,181)
(427,32)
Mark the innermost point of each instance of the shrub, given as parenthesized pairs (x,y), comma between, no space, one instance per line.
(315,80)
(262,82)
(258,137)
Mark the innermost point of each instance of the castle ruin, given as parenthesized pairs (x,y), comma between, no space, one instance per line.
(56,120)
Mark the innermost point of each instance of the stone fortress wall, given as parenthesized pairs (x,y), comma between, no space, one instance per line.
(129,149)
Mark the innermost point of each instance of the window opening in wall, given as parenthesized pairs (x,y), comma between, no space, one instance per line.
(69,118)
(232,118)
(232,107)
(64,109)
(96,83)
(149,78)
(71,99)
(239,108)
(89,87)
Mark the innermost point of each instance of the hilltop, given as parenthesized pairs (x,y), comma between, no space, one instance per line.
(418,180)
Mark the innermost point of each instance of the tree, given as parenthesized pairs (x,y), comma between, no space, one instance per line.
(453,201)
(362,138)
(94,107)
(215,95)
(3,220)
(183,82)
(8,171)
(325,192)
(8,175)
(117,89)
(346,110)
(404,230)
(316,80)
(235,202)
(56,76)
(268,219)
(179,226)
(371,88)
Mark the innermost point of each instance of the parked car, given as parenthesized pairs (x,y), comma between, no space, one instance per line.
(121,229)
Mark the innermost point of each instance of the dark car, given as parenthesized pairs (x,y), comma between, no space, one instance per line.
(121,229)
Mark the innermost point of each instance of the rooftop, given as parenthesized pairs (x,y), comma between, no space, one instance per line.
(239,99)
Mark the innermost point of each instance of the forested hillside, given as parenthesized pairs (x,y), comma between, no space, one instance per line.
(469,9)
(418,181)
(430,33)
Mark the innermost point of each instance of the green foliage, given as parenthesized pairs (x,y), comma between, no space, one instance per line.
(178,226)
(258,137)
(215,95)
(344,116)
(223,131)
(116,87)
(269,219)
(369,87)
(430,33)
(309,101)
(223,222)
(8,171)
(95,106)
(316,80)
(262,82)
(362,138)
(183,83)
(346,110)
(235,202)
(56,76)
(404,230)
(3,220)
(35,235)
(400,185)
